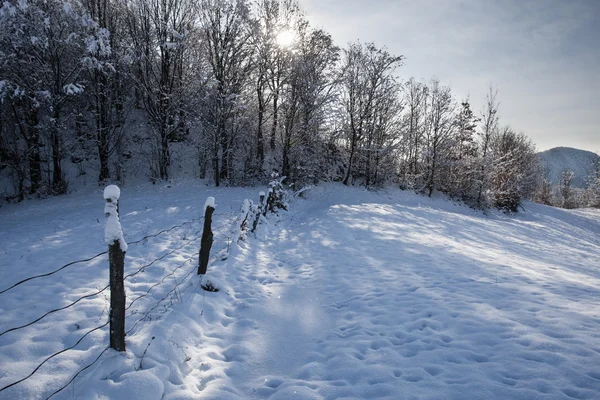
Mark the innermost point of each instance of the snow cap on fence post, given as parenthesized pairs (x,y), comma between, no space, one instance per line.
(245,207)
(112,192)
(112,230)
(210,202)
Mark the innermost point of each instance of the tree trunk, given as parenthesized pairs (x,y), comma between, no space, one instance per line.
(376,174)
(287,144)
(119,110)
(285,168)
(352,150)
(224,149)
(274,126)
(216,159)
(415,160)
(202,162)
(431,180)
(482,175)
(57,173)
(102,145)
(163,156)
(33,152)
(102,126)
(368,164)
(260,146)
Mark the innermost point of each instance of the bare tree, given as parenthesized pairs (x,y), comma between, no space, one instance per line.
(161,31)
(106,75)
(490,127)
(367,73)
(440,127)
(227,28)
(414,124)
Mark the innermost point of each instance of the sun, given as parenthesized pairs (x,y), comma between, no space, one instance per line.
(285,38)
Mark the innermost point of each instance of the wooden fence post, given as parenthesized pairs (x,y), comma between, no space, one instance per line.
(261,196)
(261,207)
(113,235)
(207,236)
(268,206)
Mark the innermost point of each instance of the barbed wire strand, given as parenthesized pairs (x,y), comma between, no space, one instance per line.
(52,356)
(100,291)
(108,347)
(159,283)
(139,270)
(105,252)
(99,327)
(160,301)
(55,310)
(79,372)
(53,272)
(92,258)
(164,231)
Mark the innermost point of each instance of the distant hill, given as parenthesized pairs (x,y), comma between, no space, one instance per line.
(581,162)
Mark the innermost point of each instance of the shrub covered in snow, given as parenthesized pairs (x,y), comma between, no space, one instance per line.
(277,193)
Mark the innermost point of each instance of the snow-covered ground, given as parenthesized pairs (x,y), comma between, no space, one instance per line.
(350,294)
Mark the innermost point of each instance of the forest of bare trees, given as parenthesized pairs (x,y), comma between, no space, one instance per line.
(247,89)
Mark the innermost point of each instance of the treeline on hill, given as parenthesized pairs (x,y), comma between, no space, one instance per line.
(251,87)
(565,195)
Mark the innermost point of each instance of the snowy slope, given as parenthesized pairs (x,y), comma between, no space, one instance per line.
(40,236)
(581,162)
(351,294)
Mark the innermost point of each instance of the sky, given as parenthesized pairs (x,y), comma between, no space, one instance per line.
(542,56)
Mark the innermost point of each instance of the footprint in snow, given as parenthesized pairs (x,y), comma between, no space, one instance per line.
(433,371)
(273,383)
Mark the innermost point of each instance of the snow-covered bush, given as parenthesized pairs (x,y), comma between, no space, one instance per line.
(514,172)
(277,193)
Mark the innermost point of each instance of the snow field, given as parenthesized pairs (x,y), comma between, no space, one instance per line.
(39,237)
(405,297)
(351,294)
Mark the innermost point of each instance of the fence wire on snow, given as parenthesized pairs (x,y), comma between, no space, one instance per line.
(94,257)
(224,239)
(102,290)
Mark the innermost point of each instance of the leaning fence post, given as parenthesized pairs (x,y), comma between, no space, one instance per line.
(261,196)
(207,236)
(113,235)
(269,202)
(260,210)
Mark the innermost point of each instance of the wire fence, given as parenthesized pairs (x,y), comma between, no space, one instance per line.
(173,293)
